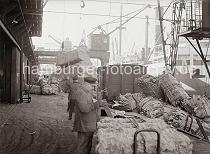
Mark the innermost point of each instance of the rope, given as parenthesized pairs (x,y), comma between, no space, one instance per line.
(134,122)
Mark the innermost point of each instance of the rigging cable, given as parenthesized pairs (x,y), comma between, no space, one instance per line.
(93,14)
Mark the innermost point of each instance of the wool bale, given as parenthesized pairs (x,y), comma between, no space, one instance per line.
(181,119)
(151,107)
(149,86)
(200,105)
(138,97)
(46,90)
(55,89)
(117,136)
(127,102)
(172,89)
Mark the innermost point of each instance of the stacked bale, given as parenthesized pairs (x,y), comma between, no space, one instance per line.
(117,136)
(181,119)
(126,102)
(179,112)
(172,89)
(138,97)
(149,86)
(151,107)
(47,88)
(200,106)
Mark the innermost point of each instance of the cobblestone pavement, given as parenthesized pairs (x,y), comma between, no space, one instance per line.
(39,127)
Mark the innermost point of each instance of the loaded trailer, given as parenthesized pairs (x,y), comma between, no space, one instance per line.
(147,114)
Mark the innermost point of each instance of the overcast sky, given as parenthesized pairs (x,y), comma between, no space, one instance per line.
(65,18)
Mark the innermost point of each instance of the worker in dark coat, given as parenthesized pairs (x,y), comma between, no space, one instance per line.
(86,117)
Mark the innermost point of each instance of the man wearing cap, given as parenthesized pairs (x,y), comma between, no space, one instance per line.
(85,108)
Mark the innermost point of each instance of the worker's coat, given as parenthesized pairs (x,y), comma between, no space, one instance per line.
(84,107)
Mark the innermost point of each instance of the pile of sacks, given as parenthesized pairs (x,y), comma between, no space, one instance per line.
(116,136)
(49,86)
(168,101)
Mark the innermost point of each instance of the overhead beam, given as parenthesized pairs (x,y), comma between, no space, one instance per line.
(33,13)
(26,11)
(9,34)
(33,20)
(47,53)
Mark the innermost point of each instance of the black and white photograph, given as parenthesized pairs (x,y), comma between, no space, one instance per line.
(104,76)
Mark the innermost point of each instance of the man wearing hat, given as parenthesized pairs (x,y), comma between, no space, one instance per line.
(85,108)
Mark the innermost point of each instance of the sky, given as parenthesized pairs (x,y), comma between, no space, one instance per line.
(65,18)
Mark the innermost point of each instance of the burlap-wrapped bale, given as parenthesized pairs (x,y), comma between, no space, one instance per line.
(200,105)
(43,82)
(116,136)
(151,107)
(55,89)
(138,97)
(126,102)
(172,89)
(47,88)
(181,119)
(50,89)
(149,86)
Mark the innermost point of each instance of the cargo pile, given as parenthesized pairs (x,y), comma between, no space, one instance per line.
(45,86)
(175,106)
(116,136)
(172,89)
(49,87)
(150,87)
(166,106)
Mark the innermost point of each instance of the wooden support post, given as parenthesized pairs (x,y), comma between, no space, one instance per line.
(13,76)
(21,69)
